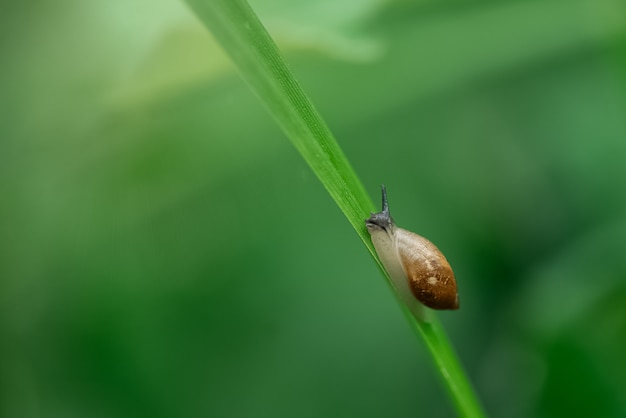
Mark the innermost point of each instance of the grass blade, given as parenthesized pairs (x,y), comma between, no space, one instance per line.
(237,28)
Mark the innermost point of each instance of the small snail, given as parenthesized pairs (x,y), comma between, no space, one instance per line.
(414,264)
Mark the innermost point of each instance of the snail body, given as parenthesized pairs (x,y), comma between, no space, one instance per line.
(416,266)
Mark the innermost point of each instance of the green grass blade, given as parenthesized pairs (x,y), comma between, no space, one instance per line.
(237,28)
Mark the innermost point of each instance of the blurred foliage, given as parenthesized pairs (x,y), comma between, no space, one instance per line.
(165,252)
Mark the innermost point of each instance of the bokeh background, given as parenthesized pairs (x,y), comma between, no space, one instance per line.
(165,252)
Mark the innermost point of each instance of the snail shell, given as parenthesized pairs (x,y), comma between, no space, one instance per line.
(414,264)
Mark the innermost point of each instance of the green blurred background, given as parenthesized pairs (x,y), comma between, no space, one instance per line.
(165,252)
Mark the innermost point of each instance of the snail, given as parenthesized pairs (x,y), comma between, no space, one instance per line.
(417,268)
